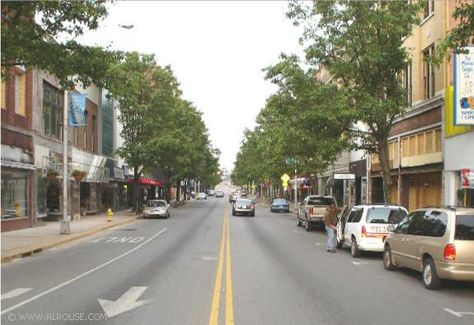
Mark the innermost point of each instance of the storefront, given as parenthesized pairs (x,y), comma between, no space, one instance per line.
(17,184)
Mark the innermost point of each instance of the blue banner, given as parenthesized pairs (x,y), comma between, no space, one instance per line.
(77,109)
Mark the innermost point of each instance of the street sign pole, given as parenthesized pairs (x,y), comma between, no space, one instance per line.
(65,227)
(296,192)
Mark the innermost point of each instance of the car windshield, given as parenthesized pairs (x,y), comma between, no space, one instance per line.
(464,227)
(385,215)
(320,201)
(280,201)
(156,204)
(244,202)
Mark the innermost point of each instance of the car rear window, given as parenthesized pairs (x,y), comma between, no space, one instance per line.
(279,201)
(244,202)
(320,201)
(464,227)
(385,215)
(156,204)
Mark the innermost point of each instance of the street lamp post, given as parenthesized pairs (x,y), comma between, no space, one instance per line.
(65,227)
(296,191)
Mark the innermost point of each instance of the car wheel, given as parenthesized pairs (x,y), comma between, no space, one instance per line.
(387,259)
(355,252)
(298,222)
(233,212)
(307,225)
(430,277)
(168,215)
(252,214)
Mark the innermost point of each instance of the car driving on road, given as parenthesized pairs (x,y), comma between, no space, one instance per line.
(243,206)
(280,205)
(439,242)
(156,208)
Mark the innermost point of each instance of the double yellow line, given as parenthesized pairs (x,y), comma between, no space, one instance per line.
(216,297)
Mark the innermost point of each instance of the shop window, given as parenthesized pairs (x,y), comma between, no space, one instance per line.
(20,94)
(14,194)
(52,110)
(428,73)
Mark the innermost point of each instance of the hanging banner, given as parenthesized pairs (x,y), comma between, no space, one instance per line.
(77,109)
(464,87)
(467,178)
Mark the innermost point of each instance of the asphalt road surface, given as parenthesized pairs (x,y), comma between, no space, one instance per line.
(204,266)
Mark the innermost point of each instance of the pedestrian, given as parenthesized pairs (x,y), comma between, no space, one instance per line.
(330,221)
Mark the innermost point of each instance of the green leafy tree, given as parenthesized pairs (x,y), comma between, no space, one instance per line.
(360,44)
(32,32)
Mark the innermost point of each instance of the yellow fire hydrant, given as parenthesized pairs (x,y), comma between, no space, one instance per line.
(110,214)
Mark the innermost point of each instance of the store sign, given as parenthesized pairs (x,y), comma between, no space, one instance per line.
(467,178)
(345,176)
(77,110)
(464,87)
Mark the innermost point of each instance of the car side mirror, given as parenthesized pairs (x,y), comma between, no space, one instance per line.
(391,228)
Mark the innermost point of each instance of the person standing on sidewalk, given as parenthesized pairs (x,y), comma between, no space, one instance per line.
(330,221)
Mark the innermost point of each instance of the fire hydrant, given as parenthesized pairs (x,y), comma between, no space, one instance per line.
(110,214)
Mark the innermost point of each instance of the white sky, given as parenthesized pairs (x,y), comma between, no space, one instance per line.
(217,51)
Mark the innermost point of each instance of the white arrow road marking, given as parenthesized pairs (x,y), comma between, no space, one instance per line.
(360,263)
(15,293)
(80,276)
(126,302)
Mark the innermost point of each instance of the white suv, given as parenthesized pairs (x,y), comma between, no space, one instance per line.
(364,227)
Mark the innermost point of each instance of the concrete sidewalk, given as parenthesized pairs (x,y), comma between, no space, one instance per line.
(24,242)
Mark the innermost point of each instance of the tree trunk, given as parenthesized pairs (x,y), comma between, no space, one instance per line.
(178,189)
(136,184)
(385,165)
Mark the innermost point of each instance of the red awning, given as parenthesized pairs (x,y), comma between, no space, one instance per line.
(146,181)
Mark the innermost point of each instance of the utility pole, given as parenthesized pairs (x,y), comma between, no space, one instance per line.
(296,191)
(65,227)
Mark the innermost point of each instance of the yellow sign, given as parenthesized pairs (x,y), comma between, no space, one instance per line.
(285,178)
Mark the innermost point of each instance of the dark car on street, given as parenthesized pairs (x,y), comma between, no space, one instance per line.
(280,205)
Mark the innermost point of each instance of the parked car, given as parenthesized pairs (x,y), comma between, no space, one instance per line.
(311,211)
(280,205)
(365,227)
(156,208)
(439,242)
(243,206)
(212,193)
(219,194)
(202,196)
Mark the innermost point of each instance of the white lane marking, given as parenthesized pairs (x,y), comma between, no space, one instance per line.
(317,243)
(458,313)
(119,240)
(80,276)
(360,263)
(15,293)
(126,302)
(208,258)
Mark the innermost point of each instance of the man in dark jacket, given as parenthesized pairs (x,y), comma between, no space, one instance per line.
(330,221)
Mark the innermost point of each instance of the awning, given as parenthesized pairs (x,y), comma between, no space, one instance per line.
(146,181)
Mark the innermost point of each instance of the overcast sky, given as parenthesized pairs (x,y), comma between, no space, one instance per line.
(217,51)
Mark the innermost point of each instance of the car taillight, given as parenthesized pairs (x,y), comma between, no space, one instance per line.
(364,232)
(450,252)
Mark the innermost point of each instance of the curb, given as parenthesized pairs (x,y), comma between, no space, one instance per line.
(41,247)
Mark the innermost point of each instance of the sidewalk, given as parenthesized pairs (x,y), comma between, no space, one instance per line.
(24,242)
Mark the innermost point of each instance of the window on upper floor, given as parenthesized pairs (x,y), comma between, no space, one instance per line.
(20,93)
(52,110)
(428,73)
(407,83)
(428,7)
(4,95)
(422,143)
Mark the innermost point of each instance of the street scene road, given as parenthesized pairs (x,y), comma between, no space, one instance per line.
(158,271)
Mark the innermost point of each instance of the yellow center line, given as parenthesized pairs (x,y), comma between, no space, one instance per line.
(216,298)
(229,305)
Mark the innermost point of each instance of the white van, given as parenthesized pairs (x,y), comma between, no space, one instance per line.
(364,227)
